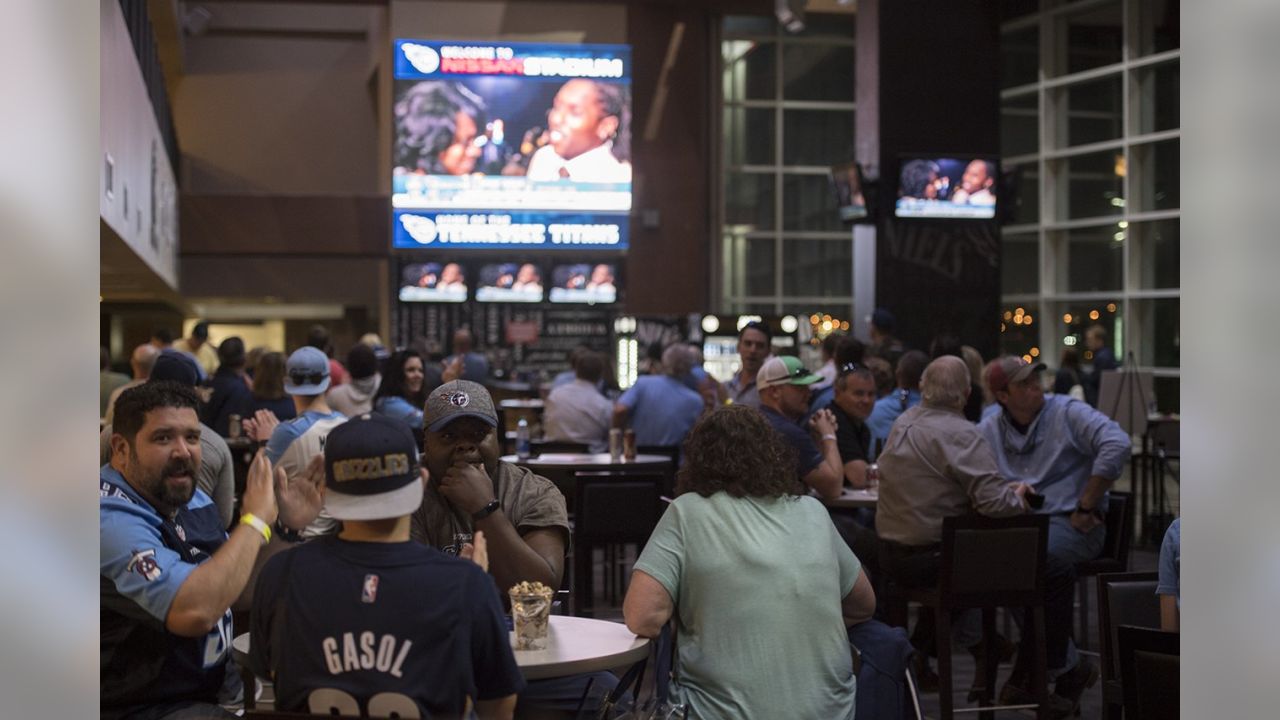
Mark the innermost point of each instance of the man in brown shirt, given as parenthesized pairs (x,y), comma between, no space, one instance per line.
(936,465)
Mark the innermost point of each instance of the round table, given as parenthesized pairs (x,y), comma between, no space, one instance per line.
(581,645)
(522,404)
(850,498)
(567,462)
(574,645)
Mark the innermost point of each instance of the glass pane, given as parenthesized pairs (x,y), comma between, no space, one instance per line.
(1095,259)
(1168,394)
(1158,26)
(1020,57)
(1156,253)
(749,263)
(1020,266)
(817,137)
(1157,180)
(748,70)
(750,25)
(817,72)
(1020,125)
(1160,342)
(839,25)
(809,204)
(1019,329)
(1010,9)
(817,267)
(748,201)
(1094,111)
(1095,38)
(1025,198)
(1074,318)
(749,136)
(1095,185)
(1158,98)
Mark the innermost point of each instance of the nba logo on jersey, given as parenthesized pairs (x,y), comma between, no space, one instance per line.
(370,591)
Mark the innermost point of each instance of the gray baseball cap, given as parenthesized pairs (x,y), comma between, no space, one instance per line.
(457,399)
(306,372)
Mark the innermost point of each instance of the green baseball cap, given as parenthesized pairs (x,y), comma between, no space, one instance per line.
(784,370)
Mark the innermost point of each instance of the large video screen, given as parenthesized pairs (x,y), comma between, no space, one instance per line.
(591,283)
(947,187)
(509,282)
(511,144)
(433,282)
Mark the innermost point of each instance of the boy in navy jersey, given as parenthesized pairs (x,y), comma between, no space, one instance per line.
(369,622)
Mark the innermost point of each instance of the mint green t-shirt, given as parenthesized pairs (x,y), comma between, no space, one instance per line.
(757,585)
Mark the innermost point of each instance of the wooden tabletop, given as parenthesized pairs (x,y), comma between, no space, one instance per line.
(587,461)
(850,498)
(574,645)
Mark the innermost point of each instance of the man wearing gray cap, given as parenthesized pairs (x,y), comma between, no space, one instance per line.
(1070,453)
(522,514)
(391,628)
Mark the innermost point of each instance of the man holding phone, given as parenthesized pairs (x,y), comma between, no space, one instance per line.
(1070,453)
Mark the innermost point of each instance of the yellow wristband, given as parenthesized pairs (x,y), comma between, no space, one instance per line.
(258,524)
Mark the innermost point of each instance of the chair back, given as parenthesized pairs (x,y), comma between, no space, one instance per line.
(616,507)
(993,561)
(1124,599)
(1149,662)
(1119,523)
(670,451)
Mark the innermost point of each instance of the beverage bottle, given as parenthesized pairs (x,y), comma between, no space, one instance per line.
(522,439)
(615,444)
(629,444)
(233,426)
(873,476)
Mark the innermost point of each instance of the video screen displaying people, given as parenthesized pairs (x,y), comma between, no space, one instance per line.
(509,282)
(433,282)
(590,283)
(846,182)
(947,188)
(511,126)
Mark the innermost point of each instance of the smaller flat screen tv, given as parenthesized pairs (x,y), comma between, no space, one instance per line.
(591,283)
(433,282)
(948,187)
(846,183)
(509,282)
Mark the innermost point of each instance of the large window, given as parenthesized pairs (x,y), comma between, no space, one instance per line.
(787,115)
(1089,111)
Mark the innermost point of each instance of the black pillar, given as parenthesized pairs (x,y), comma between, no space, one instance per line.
(928,83)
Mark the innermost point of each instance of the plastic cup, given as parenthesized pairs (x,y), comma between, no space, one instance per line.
(530,613)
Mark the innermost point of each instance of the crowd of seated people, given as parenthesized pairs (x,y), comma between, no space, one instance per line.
(746,543)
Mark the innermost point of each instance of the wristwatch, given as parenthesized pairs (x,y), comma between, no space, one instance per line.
(1082,510)
(486,511)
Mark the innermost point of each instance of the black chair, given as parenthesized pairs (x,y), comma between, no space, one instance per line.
(1114,557)
(1123,599)
(988,563)
(1149,662)
(670,451)
(610,509)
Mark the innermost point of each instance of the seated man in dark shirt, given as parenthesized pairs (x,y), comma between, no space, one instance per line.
(355,622)
(854,398)
(784,398)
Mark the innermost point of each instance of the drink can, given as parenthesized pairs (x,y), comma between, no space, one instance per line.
(873,476)
(233,426)
(629,444)
(615,444)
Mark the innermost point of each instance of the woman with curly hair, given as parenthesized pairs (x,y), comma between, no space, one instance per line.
(761,586)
